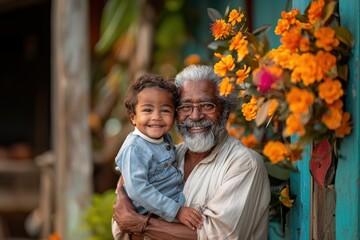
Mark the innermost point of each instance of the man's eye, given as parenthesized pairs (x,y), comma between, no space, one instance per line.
(186,107)
(207,106)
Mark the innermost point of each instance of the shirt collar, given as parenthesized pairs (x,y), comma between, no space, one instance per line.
(149,139)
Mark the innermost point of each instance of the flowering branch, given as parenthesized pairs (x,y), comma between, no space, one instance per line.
(293,90)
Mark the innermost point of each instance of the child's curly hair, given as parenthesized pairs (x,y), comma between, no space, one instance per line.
(148,81)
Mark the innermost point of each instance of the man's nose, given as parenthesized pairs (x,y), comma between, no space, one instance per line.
(196,114)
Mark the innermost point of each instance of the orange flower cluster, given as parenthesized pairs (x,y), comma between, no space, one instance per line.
(293,90)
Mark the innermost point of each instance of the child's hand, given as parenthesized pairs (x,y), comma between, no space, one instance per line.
(189,217)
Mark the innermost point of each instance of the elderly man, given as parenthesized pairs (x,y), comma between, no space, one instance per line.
(225,181)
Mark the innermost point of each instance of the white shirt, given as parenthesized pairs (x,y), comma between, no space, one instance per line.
(231,188)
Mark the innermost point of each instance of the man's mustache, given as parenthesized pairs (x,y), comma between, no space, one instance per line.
(203,123)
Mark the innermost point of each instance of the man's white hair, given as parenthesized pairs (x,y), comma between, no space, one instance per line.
(203,72)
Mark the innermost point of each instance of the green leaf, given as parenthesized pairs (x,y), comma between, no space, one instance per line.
(344,35)
(227,10)
(261,30)
(116,19)
(343,71)
(305,140)
(261,115)
(266,43)
(255,42)
(301,18)
(278,172)
(329,10)
(215,45)
(214,14)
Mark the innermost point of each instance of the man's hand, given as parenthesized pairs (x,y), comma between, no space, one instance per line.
(125,215)
(130,221)
(189,217)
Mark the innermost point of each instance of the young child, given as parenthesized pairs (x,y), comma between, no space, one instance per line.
(146,159)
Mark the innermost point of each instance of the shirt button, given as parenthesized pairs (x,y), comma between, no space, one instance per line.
(166,165)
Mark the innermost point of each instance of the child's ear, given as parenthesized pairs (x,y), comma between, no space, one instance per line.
(132,119)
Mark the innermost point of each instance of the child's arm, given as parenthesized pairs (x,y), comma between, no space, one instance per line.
(134,165)
(189,217)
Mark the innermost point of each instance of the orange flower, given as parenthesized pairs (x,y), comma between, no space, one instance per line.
(225,86)
(239,43)
(338,104)
(291,39)
(276,151)
(325,38)
(250,109)
(306,69)
(330,90)
(235,131)
(295,152)
(294,125)
(220,29)
(299,100)
(288,19)
(232,118)
(54,236)
(226,63)
(315,11)
(273,106)
(332,118)
(326,61)
(250,141)
(304,45)
(344,128)
(218,55)
(235,16)
(281,56)
(192,59)
(242,74)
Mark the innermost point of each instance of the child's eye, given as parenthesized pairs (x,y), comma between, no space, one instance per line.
(147,110)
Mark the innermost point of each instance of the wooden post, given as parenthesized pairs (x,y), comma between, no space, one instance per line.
(70,108)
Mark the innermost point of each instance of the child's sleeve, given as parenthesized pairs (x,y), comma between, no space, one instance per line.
(134,164)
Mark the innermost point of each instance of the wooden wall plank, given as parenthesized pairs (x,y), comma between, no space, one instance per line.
(347,180)
(323,213)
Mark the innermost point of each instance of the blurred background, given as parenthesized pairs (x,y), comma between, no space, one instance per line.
(64,70)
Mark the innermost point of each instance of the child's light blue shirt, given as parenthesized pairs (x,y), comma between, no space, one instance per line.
(152,179)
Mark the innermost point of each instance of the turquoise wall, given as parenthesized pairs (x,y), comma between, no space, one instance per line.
(347,181)
(267,12)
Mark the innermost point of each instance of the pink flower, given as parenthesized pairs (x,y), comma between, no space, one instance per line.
(264,77)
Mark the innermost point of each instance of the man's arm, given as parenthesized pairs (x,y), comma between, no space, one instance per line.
(130,221)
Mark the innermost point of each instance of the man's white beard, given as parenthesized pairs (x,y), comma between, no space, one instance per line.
(200,143)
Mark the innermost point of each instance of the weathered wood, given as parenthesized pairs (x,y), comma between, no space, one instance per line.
(323,213)
(70,95)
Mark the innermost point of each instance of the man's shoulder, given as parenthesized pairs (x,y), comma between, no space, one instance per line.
(242,154)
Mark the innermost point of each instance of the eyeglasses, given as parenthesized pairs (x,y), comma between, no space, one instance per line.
(187,109)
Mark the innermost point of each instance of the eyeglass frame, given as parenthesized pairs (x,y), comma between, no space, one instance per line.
(199,106)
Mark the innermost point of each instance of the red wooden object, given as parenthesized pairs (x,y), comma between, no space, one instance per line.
(322,164)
